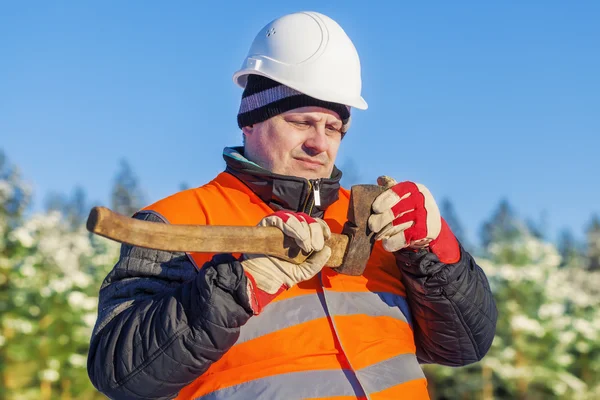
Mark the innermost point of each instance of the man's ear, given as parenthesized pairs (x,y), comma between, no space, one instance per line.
(247,130)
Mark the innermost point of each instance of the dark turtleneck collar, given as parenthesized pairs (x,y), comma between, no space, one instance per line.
(282,191)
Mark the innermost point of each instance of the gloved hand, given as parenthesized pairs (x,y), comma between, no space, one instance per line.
(270,276)
(407,216)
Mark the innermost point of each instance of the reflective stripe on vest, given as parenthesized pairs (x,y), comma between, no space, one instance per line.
(299,309)
(319,384)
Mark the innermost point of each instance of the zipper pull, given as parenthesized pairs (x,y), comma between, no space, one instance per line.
(316,193)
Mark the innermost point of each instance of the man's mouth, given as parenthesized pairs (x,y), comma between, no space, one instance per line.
(311,162)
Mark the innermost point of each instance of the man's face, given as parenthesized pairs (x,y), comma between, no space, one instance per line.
(302,142)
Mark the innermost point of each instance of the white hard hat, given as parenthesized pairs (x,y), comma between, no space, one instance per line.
(310,53)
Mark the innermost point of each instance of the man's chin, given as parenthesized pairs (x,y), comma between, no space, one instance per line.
(312,174)
(310,170)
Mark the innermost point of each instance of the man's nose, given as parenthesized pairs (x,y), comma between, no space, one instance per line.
(317,141)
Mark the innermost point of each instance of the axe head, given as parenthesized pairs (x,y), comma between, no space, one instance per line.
(361,239)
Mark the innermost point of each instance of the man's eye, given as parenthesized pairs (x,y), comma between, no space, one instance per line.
(300,123)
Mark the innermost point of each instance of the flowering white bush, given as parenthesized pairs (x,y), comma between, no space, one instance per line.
(49,280)
(547,343)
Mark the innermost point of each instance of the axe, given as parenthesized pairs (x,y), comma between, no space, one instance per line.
(350,250)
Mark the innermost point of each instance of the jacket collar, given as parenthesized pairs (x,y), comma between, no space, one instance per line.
(281,191)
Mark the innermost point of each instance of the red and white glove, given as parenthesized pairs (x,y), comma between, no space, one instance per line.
(269,276)
(407,216)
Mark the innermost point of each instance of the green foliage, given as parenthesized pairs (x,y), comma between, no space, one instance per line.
(50,274)
(547,343)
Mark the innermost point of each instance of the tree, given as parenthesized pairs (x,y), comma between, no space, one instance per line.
(593,244)
(14,199)
(74,209)
(540,307)
(538,228)
(54,281)
(502,226)
(50,274)
(127,197)
(570,250)
(449,214)
(14,193)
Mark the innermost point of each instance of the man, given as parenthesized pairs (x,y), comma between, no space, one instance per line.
(250,326)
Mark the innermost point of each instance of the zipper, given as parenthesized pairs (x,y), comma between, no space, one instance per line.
(317,193)
(314,196)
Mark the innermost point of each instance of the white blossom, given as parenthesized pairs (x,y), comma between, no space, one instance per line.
(586,329)
(565,359)
(19,325)
(60,285)
(49,375)
(90,319)
(34,311)
(23,236)
(6,190)
(80,279)
(75,299)
(79,300)
(508,353)
(582,347)
(575,384)
(525,324)
(28,270)
(567,337)
(551,310)
(78,360)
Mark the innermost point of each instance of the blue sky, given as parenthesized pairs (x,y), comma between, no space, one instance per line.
(476,100)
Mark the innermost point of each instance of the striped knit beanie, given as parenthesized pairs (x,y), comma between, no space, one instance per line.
(264,98)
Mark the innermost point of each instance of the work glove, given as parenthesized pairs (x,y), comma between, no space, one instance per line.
(269,275)
(406,216)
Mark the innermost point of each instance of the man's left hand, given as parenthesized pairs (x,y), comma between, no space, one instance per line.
(407,216)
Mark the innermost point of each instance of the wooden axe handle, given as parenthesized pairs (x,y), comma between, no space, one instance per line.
(206,238)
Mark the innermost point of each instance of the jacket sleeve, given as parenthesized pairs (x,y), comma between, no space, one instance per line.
(454,312)
(162,322)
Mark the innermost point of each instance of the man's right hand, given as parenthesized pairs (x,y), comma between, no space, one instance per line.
(271,275)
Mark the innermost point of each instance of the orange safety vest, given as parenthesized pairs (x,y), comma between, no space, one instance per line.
(334,336)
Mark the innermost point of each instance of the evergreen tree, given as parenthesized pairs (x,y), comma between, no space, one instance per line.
(448,212)
(539,228)
(14,198)
(74,209)
(14,193)
(48,295)
(570,250)
(127,197)
(593,244)
(540,307)
(503,226)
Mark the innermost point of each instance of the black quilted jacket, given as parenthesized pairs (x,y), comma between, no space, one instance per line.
(162,321)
